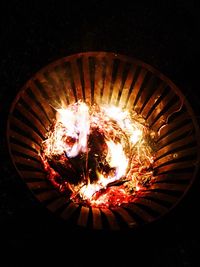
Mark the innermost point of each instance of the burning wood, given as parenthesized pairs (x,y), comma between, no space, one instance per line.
(98,155)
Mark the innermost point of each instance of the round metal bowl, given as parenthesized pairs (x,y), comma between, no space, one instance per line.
(109,78)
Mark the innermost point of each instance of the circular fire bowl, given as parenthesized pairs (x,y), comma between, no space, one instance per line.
(107,78)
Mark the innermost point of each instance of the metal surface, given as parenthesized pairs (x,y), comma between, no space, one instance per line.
(113,79)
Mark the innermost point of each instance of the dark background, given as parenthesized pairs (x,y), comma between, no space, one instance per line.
(163,34)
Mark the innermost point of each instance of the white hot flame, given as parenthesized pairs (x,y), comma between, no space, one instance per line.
(136,136)
(117,158)
(123,119)
(75,124)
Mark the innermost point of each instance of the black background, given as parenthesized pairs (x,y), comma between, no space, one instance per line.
(35,33)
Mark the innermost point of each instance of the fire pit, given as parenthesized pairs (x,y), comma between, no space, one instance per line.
(103,140)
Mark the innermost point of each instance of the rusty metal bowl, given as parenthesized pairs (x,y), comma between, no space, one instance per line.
(113,79)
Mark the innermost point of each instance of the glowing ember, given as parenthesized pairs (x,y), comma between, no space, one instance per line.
(98,155)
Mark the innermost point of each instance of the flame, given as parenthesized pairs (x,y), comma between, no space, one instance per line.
(115,113)
(136,136)
(124,120)
(117,158)
(87,191)
(71,122)
(125,146)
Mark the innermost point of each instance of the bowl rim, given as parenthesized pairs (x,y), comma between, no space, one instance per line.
(138,62)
